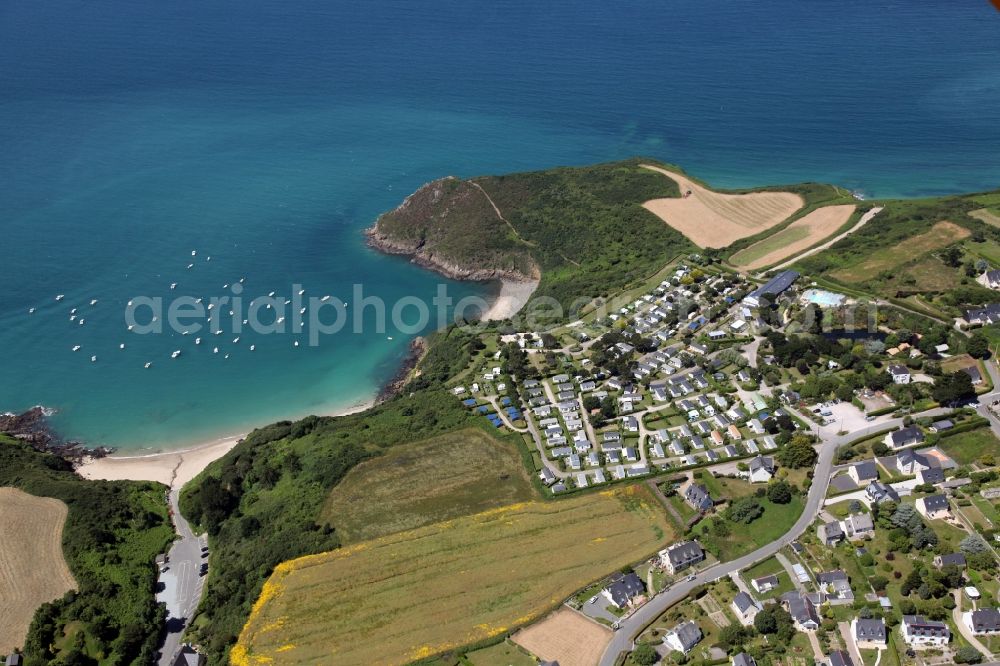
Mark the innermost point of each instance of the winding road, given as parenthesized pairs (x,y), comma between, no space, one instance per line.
(183,582)
(630,628)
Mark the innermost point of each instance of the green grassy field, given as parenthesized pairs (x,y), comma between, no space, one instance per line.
(765,247)
(415,594)
(454,474)
(769,566)
(940,235)
(742,539)
(968,447)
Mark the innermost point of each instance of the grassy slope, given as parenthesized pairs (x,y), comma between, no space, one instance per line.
(415,594)
(584,227)
(113,532)
(887,258)
(457,473)
(262,502)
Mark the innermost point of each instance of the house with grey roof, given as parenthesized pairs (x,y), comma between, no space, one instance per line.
(918,631)
(186,657)
(745,608)
(624,589)
(909,462)
(836,587)
(697,496)
(802,609)
(932,476)
(950,560)
(983,622)
(933,507)
(681,555)
(858,526)
(830,534)
(764,584)
(878,492)
(742,659)
(761,469)
(908,436)
(869,633)
(683,637)
(863,472)
(838,658)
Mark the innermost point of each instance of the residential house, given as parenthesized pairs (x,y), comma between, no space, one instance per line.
(624,589)
(983,622)
(931,475)
(742,659)
(836,587)
(983,316)
(858,526)
(802,608)
(918,631)
(830,534)
(186,657)
(838,658)
(990,279)
(879,492)
(734,432)
(974,374)
(950,560)
(15,659)
(746,608)
(933,507)
(910,462)
(764,584)
(756,426)
(869,633)
(942,425)
(681,555)
(900,374)
(697,496)
(863,472)
(683,637)
(761,469)
(547,477)
(904,437)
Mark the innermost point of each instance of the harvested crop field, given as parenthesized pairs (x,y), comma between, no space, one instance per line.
(939,236)
(32,567)
(987,216)
(410,485)
(798,236)
(565,637)
(418,593)
(716,219)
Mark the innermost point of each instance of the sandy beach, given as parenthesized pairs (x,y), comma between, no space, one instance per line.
(171,468)
(512,297)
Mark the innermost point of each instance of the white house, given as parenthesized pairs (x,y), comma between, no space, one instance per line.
(745,608)
(683,637)
(918,631)
(933,507)
(900,374)
(761,469)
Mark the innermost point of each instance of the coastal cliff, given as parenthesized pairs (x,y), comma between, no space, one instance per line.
(579,232)
(450,226)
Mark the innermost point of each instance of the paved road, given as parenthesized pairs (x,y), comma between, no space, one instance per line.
(622,640)
(956,616)
(183,582)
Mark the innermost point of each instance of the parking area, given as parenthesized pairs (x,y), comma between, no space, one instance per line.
(845,416)
(599,609)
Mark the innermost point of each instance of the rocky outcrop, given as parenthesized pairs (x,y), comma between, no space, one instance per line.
(32,427)
(447,226)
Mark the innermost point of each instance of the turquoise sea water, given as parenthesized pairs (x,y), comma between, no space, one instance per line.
(267,134)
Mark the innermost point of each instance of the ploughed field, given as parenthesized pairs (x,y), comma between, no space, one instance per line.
(421,592)
(32,568)
(797,237)
(716,219)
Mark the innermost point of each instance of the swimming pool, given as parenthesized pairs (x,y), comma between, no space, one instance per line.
(826,299)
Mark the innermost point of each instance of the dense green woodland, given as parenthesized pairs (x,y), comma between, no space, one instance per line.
(113,532)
